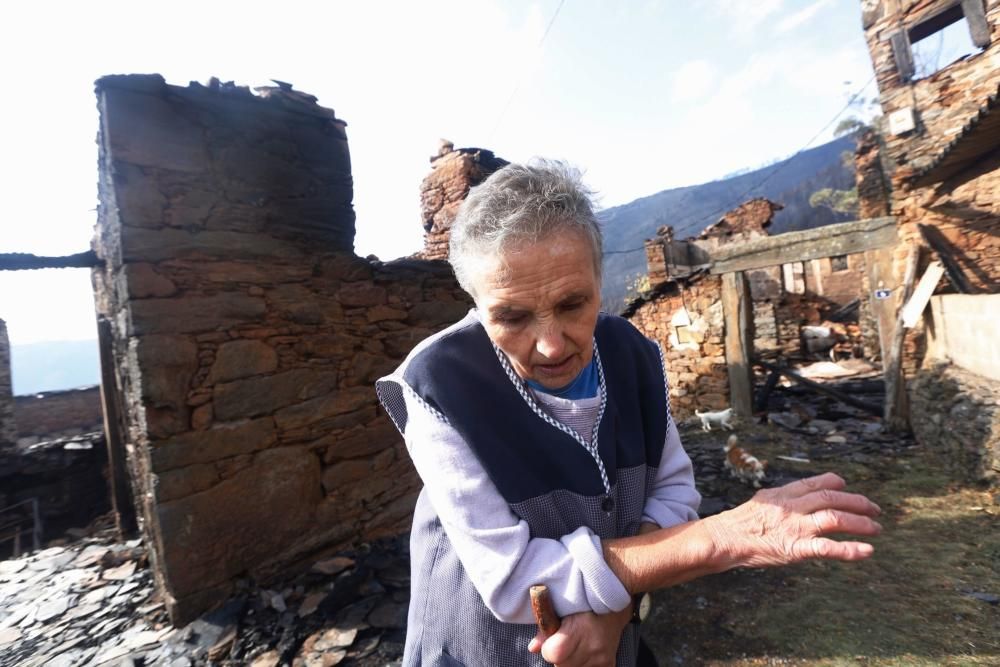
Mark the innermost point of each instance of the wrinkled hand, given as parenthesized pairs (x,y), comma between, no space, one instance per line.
(786,524)
(583,640)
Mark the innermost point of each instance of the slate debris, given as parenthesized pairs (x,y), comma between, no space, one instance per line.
(94,603)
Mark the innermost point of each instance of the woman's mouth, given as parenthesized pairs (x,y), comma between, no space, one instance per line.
(555,369)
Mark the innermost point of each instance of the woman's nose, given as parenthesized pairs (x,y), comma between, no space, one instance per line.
(550,342)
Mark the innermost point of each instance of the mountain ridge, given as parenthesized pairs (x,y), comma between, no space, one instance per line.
(691,208)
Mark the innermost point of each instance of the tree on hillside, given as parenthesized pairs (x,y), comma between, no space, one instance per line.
(839,201)
(842,201)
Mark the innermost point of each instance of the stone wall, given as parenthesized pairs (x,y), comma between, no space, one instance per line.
(954,406)
(453,173)
(941,103)
(960,209)
(965,211)
(955,414)
(247,334)
(8,427)
(58,414)
(688,324)
(836,280)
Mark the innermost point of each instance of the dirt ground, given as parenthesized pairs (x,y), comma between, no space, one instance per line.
(929,595)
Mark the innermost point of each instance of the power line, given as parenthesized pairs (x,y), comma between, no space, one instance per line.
(517,86)
(768,176)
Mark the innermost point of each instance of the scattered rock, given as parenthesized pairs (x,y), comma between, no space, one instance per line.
(267,659)
(332,566)
(311,603)
(388,615)
(52,609)
(9,567)
(276,600)
(120,573)
(222,647)
(9,635)
(822,426)
(335,638)
(785,419)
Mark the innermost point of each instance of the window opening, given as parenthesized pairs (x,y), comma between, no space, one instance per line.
(839,263)
(940,41)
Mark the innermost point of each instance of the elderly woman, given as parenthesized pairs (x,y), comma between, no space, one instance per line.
(541,429)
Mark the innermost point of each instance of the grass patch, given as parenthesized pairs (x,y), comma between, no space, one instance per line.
(908,605)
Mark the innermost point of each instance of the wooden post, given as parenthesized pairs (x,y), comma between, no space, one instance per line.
(879,267)
(738,312)
(896,416)
(121,488)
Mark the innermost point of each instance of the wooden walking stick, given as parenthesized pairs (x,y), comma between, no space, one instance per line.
(545,613)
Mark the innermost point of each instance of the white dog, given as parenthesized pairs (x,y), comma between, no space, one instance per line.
(723,418)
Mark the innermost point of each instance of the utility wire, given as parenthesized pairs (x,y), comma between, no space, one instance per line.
(769,175)
(520,80)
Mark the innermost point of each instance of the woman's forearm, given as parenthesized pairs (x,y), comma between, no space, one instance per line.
(776,527)
(665,557)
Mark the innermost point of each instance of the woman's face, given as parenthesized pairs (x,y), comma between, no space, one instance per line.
(541,308)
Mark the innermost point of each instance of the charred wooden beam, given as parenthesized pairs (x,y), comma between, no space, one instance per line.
(823,389)
(23,261)
(939,244)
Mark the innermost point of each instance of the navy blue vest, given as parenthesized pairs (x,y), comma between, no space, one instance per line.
(525,457)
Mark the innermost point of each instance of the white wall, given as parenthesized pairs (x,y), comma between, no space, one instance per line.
(966,330)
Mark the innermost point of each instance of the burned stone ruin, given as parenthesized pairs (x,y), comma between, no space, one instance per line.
(453,173)
(246,334)
(941,182)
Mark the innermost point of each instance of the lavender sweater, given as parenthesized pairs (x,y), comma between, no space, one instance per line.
(484,546)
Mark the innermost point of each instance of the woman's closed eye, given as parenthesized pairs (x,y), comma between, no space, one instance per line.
(511,319)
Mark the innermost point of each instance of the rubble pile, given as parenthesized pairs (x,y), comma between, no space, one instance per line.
(93,603)
(64,476)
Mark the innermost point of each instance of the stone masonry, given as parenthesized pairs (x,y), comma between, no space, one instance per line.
(938,142)
(8,428)
(57,414)
(687,321)
(453,173)
(681,307)
(956,415)
(247,334)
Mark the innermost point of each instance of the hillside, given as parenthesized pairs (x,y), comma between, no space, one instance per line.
(57,364)
(692,208)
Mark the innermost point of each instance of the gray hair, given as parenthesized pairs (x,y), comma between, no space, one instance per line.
(521,204)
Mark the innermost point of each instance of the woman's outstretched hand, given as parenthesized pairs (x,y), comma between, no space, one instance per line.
(583,640)
(788,524)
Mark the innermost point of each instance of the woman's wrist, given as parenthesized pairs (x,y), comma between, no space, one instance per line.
(724,551)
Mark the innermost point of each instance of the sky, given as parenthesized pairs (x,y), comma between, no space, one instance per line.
(642,95)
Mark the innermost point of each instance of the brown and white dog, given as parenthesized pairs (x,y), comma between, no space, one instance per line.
(743,465)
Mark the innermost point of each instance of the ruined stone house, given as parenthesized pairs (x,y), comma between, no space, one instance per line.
(682,304)
(928,185)
(241,335)
(940,159)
